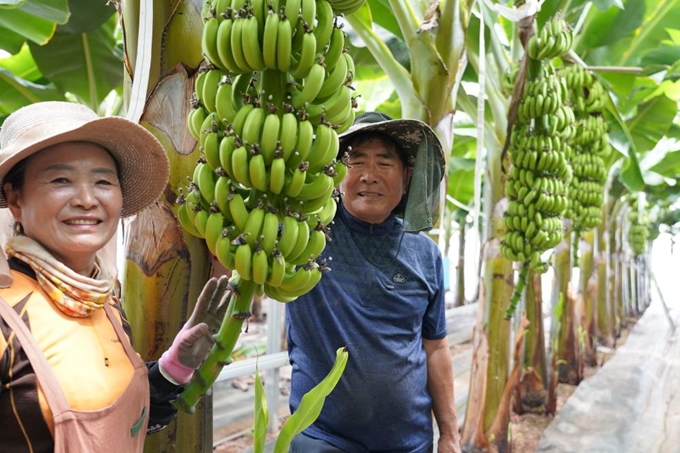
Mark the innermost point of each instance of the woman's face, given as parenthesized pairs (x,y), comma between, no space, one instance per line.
(375,181)
(70,202)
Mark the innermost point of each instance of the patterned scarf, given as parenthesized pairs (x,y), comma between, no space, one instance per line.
(72,293)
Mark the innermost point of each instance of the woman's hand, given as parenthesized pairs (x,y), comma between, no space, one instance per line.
(193,343)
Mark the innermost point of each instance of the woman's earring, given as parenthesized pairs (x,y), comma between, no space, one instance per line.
(18,228)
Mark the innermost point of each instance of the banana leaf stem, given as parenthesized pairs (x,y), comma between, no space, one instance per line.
(519,288)
(220,355)
(574,247)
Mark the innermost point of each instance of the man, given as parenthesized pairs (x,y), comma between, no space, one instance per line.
(383,299)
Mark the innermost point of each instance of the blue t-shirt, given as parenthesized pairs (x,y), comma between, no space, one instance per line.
(381,310)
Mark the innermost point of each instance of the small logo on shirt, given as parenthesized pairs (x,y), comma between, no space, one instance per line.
(398,278)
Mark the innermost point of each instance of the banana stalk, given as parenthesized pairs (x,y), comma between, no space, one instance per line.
(225,340)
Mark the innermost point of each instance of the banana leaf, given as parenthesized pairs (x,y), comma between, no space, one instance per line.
(311,404)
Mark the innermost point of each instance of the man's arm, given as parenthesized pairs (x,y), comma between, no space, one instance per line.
(440,386)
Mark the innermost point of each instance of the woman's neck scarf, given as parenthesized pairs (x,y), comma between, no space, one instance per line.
(74,294)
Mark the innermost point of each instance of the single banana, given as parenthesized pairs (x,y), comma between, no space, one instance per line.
(270,231)
(253,227)
(340,172)
(317,187)
(277,175)
(185,222)
(312,84)
(209,42)
(327,213)
(300,243)
(335,78)
(295,281)
(269,39)
(315,245)
(305,139)
(295,181)
(222,191)
(209,90)
(308,12)
(284,52)
(288,133)
(324,149)
(224,52)
(252,126)
(300,69)
(225,250)
(257,171)
(223,106)
(236,43)
(260,266)
(314,205)
(239,211)
(211,150)
(201,220)
(274,294)
(213,229)
(227,146)
(277,270)
(240,118)
(336,46)
(240,167)
(323,29)
(205,178)
(243,261)
(289,235)
(269,137)
(251,44)
(195,120)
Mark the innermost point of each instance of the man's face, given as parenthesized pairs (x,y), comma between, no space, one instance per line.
(375,182)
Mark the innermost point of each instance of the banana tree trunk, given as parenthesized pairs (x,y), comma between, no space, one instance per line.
(564,330)
(605,314)
(533,387)
(460,268)
(165,268)
(491,336)
(588,289)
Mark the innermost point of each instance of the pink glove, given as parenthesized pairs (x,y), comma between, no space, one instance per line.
(193,343)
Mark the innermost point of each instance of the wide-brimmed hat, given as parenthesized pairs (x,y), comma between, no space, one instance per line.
(407,133)
(142,162)
(423,152)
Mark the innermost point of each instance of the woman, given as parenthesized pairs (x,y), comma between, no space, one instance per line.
(69,378)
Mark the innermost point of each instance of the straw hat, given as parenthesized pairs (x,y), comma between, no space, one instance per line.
(408,134)
(143,164)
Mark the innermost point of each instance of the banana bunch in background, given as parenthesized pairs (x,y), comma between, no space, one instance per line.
(539,174)
(554,40)
(638,226)
(268,108)
(590,145)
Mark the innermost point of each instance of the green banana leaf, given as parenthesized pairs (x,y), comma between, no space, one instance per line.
(34,20)
(88,64)
(18,92)
(311,404)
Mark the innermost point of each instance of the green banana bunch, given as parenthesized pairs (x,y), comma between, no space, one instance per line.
(268,104)
(638,225)
(590,145)
(553,40)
